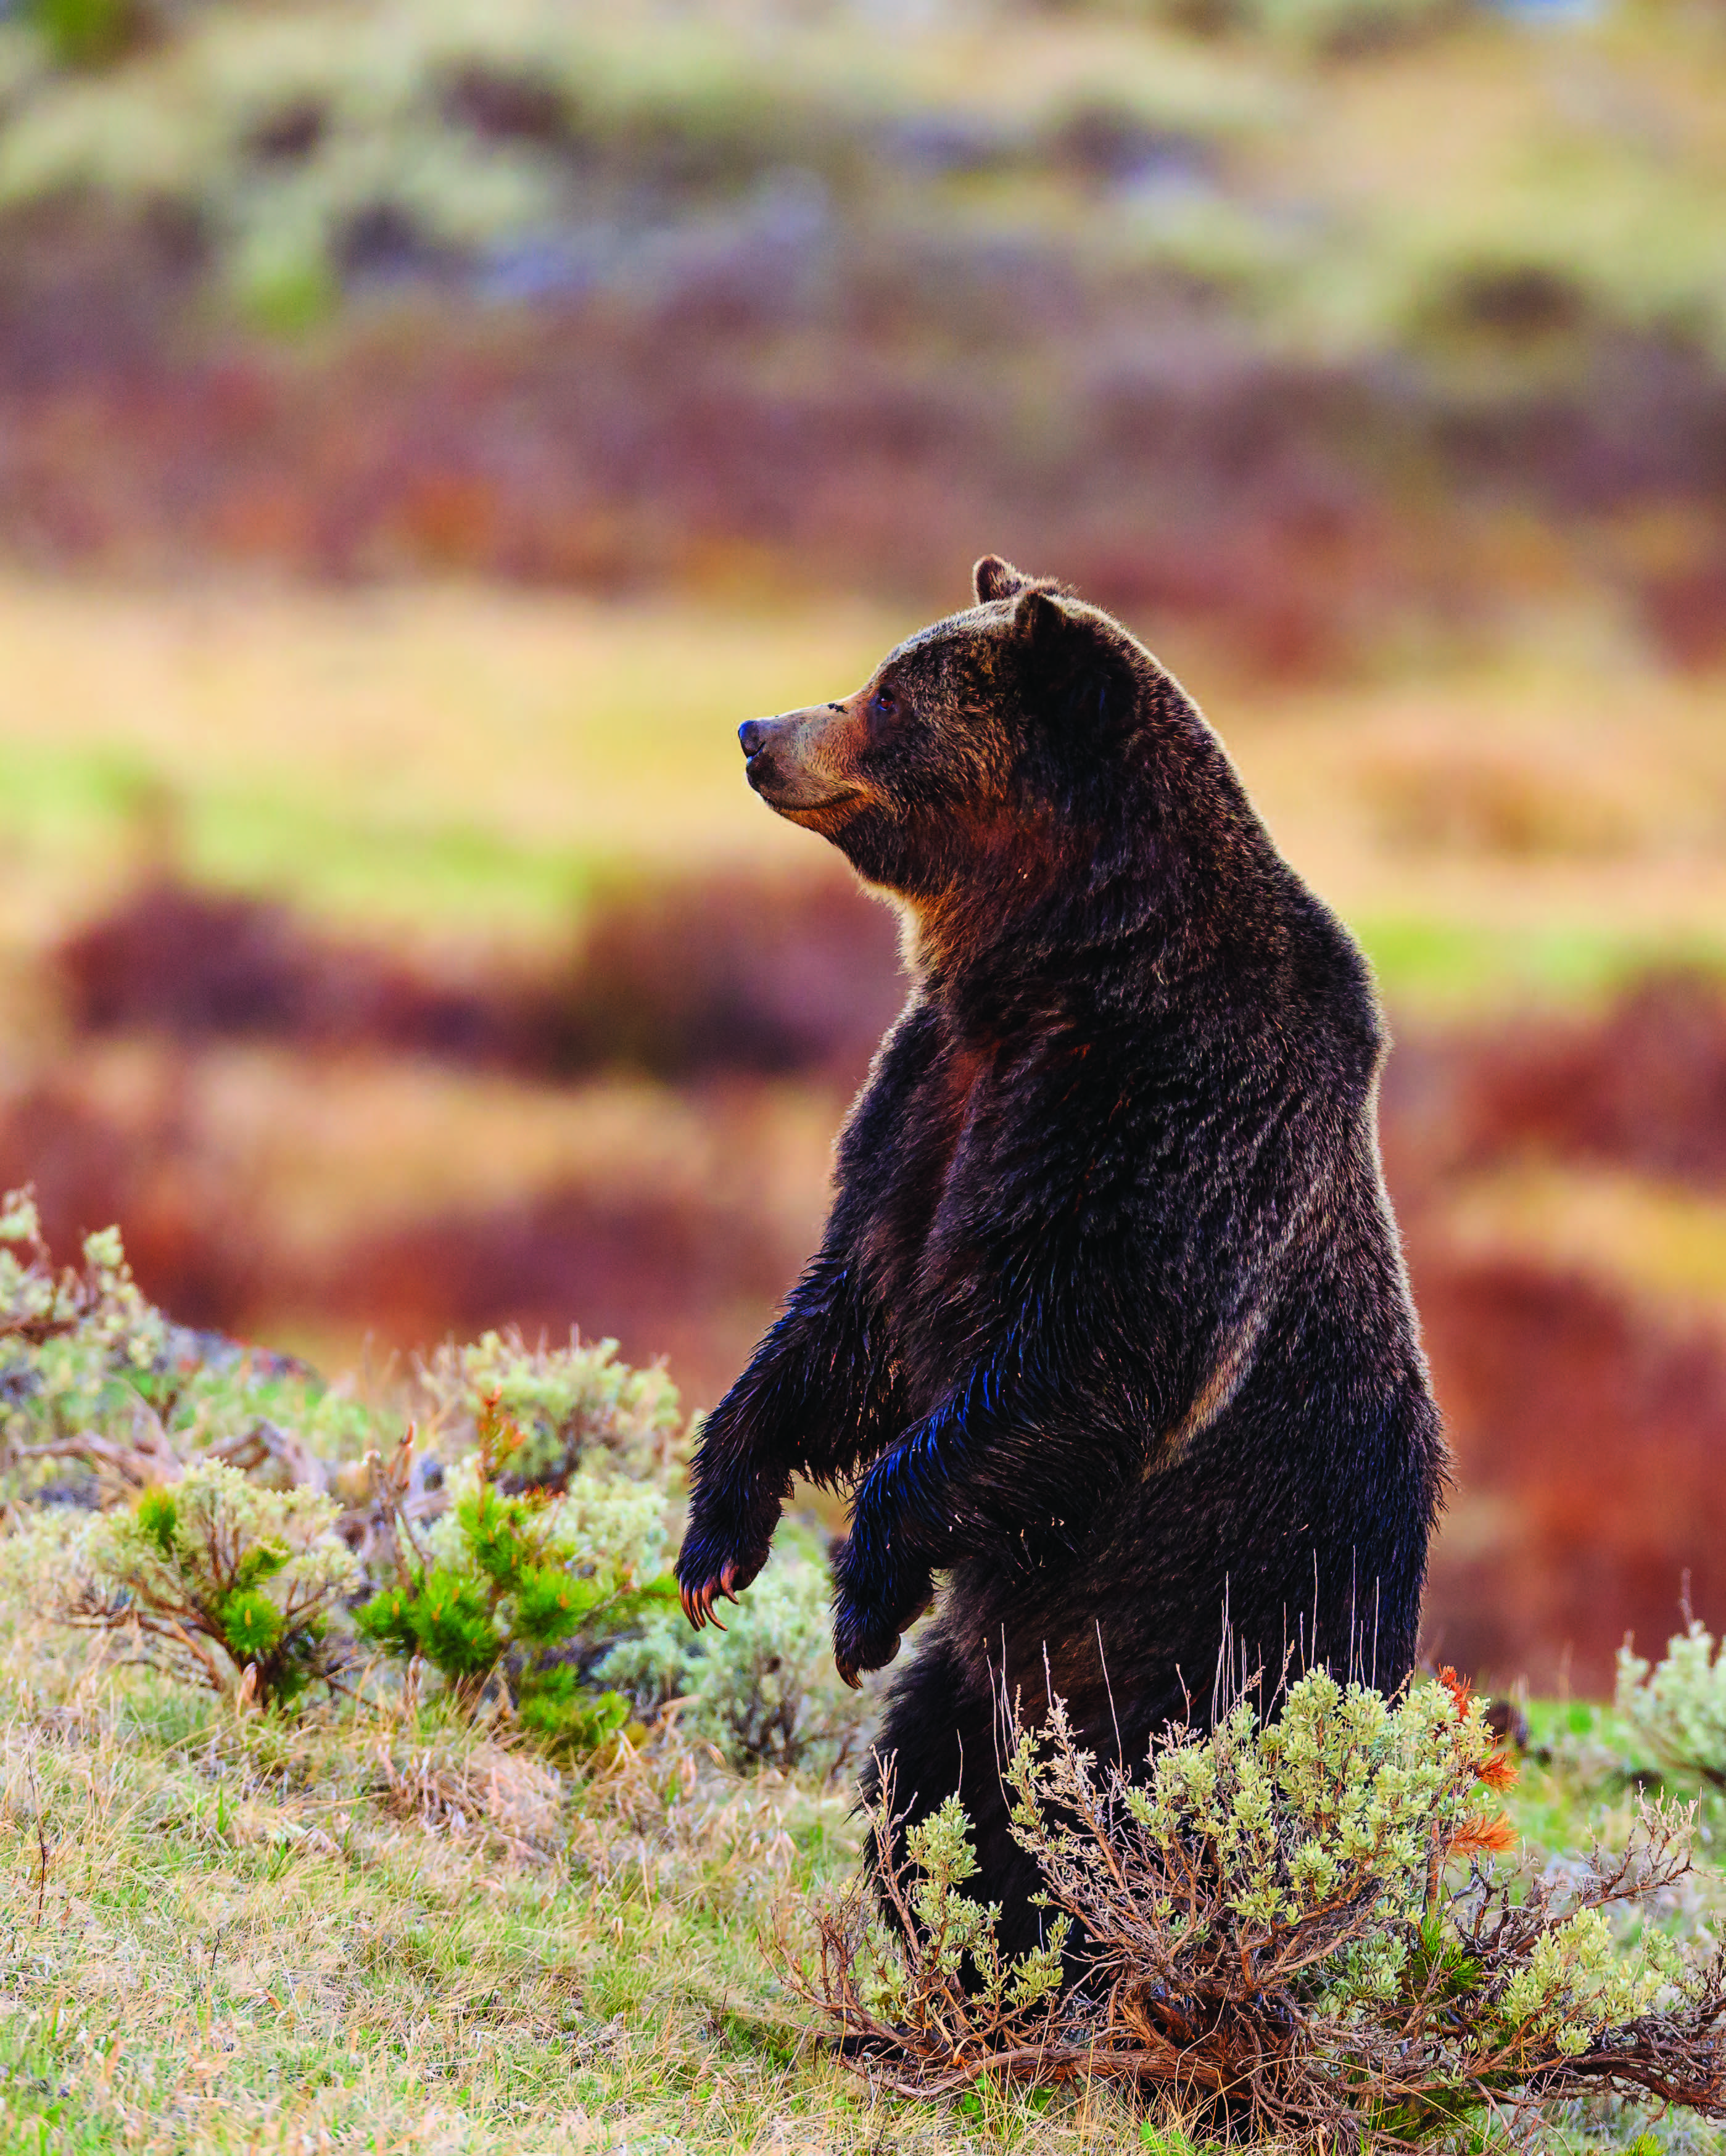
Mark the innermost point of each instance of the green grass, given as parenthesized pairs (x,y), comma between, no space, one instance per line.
(382,1930)
(228,1955)
(94,800)
(226,1934)
(1436,964)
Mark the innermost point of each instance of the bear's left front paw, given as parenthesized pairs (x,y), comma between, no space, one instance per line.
(873,1606)
(861,1640)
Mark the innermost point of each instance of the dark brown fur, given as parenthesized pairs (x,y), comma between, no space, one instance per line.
(1109,1328)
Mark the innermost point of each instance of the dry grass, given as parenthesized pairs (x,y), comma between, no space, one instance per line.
(448,766)
(1663,1243)
(390,1932)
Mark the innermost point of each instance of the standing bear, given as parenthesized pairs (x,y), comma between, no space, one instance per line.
(1110,1327)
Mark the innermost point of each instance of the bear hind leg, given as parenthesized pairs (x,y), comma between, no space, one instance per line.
(940,1737)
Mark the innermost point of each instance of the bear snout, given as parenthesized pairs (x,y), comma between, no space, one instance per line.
(790,762)
(761,767)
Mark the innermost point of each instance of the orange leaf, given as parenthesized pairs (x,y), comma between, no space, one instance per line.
(1495,1835)
(1459,1688)
(1498,1771)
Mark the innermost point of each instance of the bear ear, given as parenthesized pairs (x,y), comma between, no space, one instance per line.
(993,578)
(1073,671)
(1038,616)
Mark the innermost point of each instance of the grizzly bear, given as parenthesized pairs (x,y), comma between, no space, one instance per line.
(1109,1327)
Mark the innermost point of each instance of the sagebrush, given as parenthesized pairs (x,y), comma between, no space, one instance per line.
(1676,1708)
(1295,1927)
(257,1530)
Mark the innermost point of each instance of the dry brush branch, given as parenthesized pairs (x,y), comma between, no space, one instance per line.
(1298,1924)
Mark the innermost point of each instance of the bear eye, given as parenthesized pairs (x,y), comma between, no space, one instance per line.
(883,708)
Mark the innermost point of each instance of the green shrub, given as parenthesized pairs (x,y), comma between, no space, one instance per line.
(570,1406)
(526,1589)
(92,1373)
(1296,1925)
(77,1348)
(534,1576)
(84,32)
(220,1580)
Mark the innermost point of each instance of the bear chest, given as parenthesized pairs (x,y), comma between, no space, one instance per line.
(921,1247)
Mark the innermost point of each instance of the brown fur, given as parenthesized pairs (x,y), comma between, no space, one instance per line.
(1109,1330)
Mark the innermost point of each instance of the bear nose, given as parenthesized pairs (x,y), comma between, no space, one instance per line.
(753,734)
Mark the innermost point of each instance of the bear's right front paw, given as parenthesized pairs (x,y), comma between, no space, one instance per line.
(698,1601)
(721,1552)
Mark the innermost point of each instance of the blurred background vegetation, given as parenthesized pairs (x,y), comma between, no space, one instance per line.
(428,427)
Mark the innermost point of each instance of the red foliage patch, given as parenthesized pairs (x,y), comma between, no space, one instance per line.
(1643,1088)
(738,971)
(197,965)
(716,430)
(192,1245)
(1587,1429)
(688,1280)
(1587,1439)
(751,973)
(689,1276)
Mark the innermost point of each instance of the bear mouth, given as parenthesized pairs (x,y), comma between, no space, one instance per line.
(789,804)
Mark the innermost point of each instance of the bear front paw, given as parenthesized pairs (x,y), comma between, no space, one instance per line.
(861,1640)
(723,1549)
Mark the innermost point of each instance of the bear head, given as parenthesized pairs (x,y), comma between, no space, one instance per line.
(1026,745)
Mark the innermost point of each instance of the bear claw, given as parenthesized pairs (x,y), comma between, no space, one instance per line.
(698,1601)
(859,1655)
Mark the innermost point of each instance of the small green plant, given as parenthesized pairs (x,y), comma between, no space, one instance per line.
(282,280)
(84,33)
(949,1938)
(1296,1924)
(526,1591)
(76,1346)
(93,1377)
(221,1580)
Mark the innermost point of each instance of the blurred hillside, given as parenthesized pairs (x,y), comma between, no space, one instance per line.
(427,429)
(1320,328)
